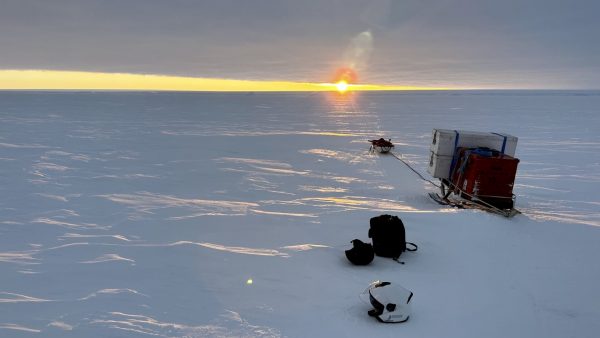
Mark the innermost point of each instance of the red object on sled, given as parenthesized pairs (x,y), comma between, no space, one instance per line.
(479,177)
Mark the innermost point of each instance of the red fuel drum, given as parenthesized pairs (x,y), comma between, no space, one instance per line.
(486,178)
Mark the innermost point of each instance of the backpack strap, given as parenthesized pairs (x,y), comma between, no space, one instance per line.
(397,259)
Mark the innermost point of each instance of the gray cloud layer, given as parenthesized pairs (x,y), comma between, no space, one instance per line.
(510,43)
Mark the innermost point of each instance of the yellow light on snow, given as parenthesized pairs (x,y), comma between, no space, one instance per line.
(249,281)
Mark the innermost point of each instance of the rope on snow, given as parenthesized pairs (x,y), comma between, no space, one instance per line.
(413,169)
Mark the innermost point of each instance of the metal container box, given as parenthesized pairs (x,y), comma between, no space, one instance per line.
(439,165)
(444,141)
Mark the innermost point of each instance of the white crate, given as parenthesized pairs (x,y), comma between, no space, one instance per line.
(439,165)
(444,141)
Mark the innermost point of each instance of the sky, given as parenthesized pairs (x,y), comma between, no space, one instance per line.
(422,43)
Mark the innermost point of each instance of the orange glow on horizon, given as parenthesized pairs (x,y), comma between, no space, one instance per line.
(75,80)
(345,74)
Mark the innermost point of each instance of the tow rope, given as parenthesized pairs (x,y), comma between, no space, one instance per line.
(415,171)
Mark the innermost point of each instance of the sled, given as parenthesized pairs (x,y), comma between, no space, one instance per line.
(461,203)
(381,145)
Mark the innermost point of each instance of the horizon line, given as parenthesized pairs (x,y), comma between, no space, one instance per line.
(41,79)
(68,80)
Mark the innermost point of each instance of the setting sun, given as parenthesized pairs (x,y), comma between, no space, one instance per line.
(342,86)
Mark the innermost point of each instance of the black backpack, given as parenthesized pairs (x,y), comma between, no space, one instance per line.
(389,237)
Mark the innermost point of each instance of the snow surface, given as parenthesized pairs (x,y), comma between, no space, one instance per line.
(227,215)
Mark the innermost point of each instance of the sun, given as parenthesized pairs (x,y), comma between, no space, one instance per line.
(344,78)
(342,86)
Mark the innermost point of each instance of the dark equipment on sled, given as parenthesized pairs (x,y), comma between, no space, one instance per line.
(381,145)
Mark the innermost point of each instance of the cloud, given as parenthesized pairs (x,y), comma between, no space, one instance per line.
(358,52)
(512,42)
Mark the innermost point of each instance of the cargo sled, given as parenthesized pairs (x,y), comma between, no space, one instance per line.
(475,172)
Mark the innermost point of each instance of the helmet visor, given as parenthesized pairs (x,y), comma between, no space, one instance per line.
(368,298)
(377,306)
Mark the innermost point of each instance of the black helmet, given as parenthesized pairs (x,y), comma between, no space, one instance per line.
(361,253)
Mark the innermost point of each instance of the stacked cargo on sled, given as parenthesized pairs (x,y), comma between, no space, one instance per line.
(476,166)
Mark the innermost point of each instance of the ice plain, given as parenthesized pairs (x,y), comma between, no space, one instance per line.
(134,214)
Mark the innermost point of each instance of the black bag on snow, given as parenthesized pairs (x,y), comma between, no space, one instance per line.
(389,237)
(361,253)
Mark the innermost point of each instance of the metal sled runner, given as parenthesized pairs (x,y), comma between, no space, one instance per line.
(462,200)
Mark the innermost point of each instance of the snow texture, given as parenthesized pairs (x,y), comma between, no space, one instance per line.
(227,215)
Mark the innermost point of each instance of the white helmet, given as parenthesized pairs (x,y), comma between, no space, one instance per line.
(391,303)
